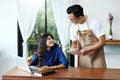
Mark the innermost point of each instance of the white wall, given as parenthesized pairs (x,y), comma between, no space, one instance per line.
(112,55)
(100,10)
(8,35)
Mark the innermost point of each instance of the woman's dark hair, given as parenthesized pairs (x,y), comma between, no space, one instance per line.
(42,43)
(42,47)
(76,9)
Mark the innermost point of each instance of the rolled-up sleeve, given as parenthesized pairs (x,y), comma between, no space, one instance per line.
(62,58)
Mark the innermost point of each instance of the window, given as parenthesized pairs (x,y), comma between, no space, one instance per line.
(44,24)
(20,41)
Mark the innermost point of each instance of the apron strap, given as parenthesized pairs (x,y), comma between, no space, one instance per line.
(78,35)
(78,31)
(88,25)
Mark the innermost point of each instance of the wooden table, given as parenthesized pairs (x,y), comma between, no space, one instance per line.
(66,74)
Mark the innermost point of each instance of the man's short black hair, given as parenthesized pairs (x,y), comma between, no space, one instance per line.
(76,9)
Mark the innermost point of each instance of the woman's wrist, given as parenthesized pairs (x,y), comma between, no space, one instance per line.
(53,67)
(57,66)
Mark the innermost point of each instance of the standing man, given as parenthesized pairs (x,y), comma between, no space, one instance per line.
(88,37)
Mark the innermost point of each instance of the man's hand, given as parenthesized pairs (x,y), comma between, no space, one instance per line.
(83,52)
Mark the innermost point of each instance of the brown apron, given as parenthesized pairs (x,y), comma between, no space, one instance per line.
(93,59)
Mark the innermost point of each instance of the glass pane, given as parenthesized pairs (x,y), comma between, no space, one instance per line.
(40,27)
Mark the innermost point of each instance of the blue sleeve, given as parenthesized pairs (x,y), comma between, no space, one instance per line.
(62,58)
(34,60)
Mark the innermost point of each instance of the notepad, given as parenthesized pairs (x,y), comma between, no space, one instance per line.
(44,72)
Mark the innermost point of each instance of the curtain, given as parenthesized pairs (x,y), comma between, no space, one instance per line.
(62,22)
(27,12)
(61,19)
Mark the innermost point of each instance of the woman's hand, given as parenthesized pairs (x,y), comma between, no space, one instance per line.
(29,59)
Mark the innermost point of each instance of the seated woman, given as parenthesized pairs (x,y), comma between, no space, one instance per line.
(49,55)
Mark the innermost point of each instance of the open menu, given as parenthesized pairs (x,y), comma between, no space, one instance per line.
(73,51)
